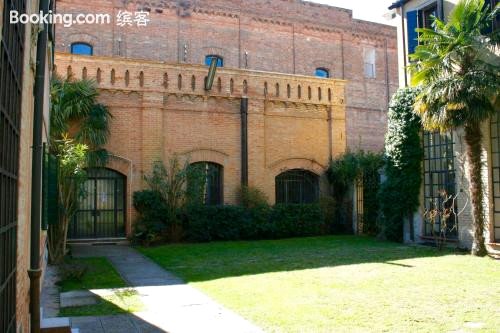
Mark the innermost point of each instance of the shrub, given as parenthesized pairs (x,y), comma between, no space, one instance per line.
(250,197)
(211,223)
(328,206)
(151,225)
(207,223)
(296,220)
(72,271)
(172,187)
(150,205)
(342,173)
(399,194)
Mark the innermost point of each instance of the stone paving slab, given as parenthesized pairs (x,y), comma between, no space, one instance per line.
(171,305)
(77,298)
(50,293)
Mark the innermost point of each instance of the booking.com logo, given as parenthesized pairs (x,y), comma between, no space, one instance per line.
(123,18)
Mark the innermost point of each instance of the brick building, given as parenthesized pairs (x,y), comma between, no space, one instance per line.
(316,80)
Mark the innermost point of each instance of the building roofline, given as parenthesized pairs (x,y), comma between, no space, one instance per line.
(398,4)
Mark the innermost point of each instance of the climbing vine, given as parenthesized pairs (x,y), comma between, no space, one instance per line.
(399,194)
(343,172)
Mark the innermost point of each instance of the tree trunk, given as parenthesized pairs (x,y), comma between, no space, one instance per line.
(57,240)
(473,137)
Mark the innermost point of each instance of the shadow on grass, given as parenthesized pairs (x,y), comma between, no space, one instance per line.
(114,313)
(109,302)
(208,261)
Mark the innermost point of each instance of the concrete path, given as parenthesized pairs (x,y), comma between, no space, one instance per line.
(171,305)
(50,293)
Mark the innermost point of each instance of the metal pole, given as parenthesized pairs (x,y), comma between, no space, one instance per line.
(244,141)
(35,271)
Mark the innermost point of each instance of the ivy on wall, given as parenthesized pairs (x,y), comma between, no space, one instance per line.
(342,173)
(399,194)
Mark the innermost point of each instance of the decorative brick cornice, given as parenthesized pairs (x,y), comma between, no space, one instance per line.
(129,75)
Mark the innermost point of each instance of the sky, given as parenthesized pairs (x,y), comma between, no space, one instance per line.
(370,10)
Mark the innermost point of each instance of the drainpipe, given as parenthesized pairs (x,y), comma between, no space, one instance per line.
(244,141)
(403,30)
(35,271)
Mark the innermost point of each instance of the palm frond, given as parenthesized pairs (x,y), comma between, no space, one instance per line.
(457,66)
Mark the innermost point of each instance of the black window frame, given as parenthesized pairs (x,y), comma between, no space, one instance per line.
(114,220)
(213,187)
(425,15)
(304,181)
(12,51)
(439,174)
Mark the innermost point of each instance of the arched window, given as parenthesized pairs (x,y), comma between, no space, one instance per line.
(208,60)
(322,72)
(82,49)
(207,180)
(297,186)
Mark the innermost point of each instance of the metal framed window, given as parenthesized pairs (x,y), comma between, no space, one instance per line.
(11,72)
(427,15)
(82,49)
(369,59)
(495,172)
(213,187)
(439,176)
(296,187)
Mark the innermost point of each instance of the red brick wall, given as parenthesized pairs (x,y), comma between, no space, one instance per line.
(153,121)
(285,36)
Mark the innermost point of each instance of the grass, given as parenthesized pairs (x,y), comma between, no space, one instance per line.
(98,273)
(342,284)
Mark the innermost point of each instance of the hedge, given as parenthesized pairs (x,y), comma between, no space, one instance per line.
(211,223)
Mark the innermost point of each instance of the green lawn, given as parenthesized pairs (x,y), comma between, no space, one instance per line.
(342,284)
(100,274)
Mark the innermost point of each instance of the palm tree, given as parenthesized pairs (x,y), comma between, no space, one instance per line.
(79,127)
(75,114)
(457,66)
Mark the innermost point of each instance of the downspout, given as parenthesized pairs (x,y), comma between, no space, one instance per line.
(404,46)
(35,271)
(244,141)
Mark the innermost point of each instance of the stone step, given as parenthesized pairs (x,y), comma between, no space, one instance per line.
(55,325)
(101,241)
(78,298)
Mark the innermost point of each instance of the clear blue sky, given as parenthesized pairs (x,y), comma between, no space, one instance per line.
(370,10)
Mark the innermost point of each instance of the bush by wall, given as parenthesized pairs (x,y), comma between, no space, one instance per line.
(210,223)
(403,154)
(342,173)
(151,225)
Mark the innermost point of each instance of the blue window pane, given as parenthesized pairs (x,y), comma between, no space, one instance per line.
(81,48)
(208,60)
(412,36)
(321,72)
